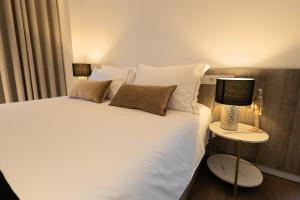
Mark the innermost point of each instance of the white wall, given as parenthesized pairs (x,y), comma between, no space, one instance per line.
(222,33)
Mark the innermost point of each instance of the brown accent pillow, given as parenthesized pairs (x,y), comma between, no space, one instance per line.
(153,99)
(90,90)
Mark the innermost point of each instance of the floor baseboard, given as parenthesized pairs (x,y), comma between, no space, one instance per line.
(281,174)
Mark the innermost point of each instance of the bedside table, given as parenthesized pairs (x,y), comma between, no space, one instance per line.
(233,169)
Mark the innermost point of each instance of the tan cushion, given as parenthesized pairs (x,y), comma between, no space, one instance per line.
(153,99)
(90,90)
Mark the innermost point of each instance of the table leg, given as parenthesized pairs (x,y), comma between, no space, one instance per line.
(237,167)
(257,151)
(210,143)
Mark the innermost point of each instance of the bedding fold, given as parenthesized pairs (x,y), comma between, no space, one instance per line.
(71,149)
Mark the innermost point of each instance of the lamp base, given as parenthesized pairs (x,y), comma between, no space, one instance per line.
(230,117)
(82,78)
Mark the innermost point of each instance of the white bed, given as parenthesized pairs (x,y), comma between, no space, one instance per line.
(67,149)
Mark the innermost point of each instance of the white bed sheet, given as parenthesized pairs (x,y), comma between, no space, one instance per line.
(67,149)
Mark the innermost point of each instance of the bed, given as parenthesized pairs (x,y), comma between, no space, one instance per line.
(70,149)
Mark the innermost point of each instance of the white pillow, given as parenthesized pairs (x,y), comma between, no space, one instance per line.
(119,75)
(186,77)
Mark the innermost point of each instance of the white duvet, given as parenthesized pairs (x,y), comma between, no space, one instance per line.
(67,149)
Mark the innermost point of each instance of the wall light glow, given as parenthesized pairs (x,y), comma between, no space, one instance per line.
(220,33)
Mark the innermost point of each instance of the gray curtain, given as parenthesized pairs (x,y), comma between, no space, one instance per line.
(31,60)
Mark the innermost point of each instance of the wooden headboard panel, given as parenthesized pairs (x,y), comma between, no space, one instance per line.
(281,116)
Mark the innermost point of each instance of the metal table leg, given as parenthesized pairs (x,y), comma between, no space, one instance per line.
(210,143)
(257,157)
(237,167)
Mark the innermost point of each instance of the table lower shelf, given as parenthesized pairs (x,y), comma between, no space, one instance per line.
(223,166)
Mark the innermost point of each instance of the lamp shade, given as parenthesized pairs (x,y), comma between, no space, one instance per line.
(81,69)
(234,91)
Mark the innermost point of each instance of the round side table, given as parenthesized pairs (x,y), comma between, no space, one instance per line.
(233,169)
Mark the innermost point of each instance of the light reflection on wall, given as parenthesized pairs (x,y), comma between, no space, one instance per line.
(230,33)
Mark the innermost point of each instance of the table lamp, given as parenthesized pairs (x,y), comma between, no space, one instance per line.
(81,70)
(232,93)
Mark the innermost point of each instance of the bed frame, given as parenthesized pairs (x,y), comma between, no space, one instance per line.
(185,195)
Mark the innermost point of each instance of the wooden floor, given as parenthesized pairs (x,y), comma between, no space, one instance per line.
(209,187)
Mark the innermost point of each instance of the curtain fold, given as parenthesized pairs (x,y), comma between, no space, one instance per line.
(31,60)
(15,58)
(22,43)
(29,53)
(4,83)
